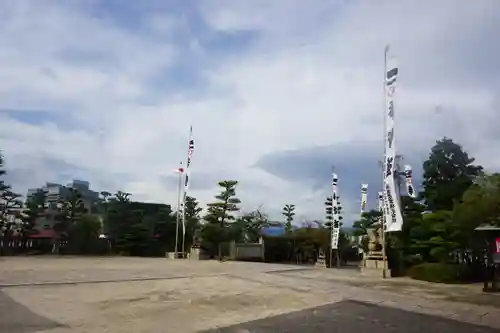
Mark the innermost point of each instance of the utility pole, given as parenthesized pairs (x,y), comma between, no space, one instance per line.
(382,219)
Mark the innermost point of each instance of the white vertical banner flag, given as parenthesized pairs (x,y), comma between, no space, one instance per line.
(336,220)
(409,182)
(364,197)
(393,218)
(186,178)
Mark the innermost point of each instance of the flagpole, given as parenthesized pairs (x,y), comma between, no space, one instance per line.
(184,233)
(383,238)
(179,189)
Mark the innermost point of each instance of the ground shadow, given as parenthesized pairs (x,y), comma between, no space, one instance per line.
(17,318)
(353,316)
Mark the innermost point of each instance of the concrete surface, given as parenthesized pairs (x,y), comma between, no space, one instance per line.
(72,294)
(350,316)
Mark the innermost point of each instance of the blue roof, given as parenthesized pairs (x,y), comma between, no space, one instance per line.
(275,230)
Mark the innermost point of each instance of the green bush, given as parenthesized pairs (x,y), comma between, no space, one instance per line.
(441,273)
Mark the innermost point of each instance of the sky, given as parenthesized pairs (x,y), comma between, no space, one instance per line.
(276,91)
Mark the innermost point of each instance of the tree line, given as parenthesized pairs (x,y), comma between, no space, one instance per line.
(438,237)
(130,228)
(455,197)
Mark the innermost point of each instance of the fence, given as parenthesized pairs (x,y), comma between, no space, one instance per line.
(248,251)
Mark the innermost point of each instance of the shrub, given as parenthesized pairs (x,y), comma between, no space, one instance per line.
(441,273)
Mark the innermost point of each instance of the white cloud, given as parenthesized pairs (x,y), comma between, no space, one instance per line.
(310,76)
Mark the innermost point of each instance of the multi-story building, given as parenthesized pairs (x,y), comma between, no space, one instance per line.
(56,192)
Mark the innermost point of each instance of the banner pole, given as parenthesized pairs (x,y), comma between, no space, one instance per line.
(382,227)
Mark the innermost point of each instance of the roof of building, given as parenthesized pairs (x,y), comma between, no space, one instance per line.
(43,233)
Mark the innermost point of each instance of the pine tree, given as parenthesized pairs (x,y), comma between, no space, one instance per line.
(448,173)
(288,212)
(220,215)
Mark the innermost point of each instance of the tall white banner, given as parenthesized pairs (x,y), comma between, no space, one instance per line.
(336,220)
(364,197)
(186,178)
(409,182)
(393,218)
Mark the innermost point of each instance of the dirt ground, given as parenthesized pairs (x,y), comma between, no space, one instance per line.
(74,294)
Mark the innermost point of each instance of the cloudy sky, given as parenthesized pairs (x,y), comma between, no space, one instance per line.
(277,92)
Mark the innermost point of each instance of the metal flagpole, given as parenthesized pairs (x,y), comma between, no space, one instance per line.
(384,252)
(179,190)
(184,232)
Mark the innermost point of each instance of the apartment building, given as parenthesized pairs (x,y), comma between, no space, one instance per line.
(56,192)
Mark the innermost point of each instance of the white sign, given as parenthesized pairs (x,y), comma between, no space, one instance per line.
(336,220)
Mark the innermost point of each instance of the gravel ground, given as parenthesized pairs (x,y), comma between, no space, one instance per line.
(61,295)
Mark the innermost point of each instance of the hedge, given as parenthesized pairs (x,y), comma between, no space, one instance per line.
(441,273)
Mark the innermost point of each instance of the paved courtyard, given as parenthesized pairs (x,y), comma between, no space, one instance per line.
(71,294)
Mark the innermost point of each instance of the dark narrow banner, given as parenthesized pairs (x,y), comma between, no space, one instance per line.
(409,182)
(393,218)
(335,229)
(186,178)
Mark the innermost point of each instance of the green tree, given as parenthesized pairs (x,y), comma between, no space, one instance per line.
(448,173)
(83,235)
(368,220)
(137,228)
(434,238)
(193,225)
(412,211)
(288,212)
(220,215)
(3,186)
(35,209)
(134,238)
(101,205)
(9,204)
(122,197)
(130,225)
(480,203)
(162,220)
(71,209)
(115,210)
(248,227)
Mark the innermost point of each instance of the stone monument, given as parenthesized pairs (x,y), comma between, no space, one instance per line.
(373,260)
(321,261)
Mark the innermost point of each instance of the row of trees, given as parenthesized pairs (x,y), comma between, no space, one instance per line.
(439,225)
(135,228)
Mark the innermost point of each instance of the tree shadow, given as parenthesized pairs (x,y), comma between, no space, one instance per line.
(353,316)
(17,318)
